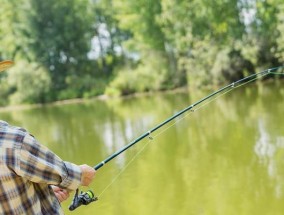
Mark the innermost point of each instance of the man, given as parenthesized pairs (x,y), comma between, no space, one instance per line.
(33,180)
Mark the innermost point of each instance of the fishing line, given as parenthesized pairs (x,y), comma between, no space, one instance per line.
(87,197)
(177,121)
(151,139)
(124,168)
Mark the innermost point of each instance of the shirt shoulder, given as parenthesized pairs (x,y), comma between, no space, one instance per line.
(11,136)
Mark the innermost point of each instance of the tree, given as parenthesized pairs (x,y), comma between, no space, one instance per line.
(264,32)
(280,28)
(200,32)
(108,38)
(148,41)
(11,22)
(61,33)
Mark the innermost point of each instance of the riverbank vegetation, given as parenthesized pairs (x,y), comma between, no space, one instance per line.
(82,48)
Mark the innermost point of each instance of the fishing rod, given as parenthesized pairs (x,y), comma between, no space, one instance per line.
(85,198)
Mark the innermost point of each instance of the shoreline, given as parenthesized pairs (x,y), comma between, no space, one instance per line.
(84,100)
(50,104)
(99,97)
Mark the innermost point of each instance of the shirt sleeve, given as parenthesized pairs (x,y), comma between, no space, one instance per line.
(38,164)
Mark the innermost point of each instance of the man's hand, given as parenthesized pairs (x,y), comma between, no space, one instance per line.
(88,174)
(61,194)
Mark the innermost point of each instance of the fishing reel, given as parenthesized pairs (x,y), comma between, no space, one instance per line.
(84,198)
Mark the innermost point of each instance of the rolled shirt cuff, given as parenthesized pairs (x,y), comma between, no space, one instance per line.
(73,178)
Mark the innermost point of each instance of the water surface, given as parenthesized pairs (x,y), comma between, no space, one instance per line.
(225,158)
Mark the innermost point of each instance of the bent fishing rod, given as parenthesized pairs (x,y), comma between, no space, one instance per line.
(85,198)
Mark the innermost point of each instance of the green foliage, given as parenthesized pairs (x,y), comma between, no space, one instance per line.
(76,47)
(5,91)
(29,82)
(199,31)
(12,25)
(264,31)
(140,17)
(82,87)
(280,29)
(61,32)
(231,66)
(150,76)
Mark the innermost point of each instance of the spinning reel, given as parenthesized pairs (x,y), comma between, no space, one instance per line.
(84,198)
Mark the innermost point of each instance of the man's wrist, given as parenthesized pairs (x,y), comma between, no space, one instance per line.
(72,179)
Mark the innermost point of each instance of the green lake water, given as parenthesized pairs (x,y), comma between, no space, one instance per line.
(226,158)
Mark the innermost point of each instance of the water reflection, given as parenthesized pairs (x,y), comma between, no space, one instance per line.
(225,158)
(264,147)
(267,148)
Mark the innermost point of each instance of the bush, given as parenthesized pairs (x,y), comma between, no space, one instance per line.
(30,83)
(147,76)
(84,86)
(231,65)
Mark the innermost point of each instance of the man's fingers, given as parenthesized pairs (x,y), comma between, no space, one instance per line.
(61,194)
(88,174)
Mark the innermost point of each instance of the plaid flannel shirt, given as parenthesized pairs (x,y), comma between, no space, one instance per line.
(27,169)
